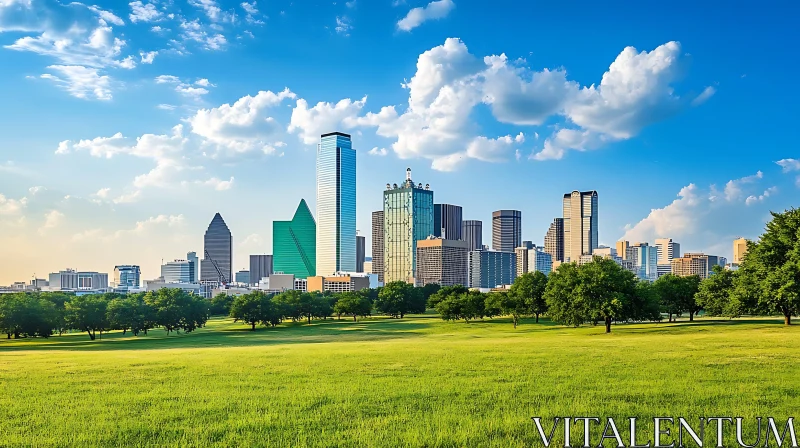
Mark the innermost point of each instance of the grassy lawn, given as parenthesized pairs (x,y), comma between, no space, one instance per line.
(383,382)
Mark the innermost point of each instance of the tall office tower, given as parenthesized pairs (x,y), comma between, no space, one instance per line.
(127,276)
(377,244)
(218,252)
(195,265)
(490,269)
(260,267)
(294,244)
(622,249)
(667,250)
(336,204)
(361,252)
(739,249)
(408,218)
(472,233)
(441,261)
(645,260)
(531,259)
(447,221)
(554,240)
(580,224)
(506,230)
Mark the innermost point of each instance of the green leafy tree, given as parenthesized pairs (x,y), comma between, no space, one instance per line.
(58,299)
(474,305)
(221,305)
(450,307)
(120,315)
(715,292)
(445,292)
(87,313)
(400,298)
(429,290)
(353,304)
(677,295)
(644,305)
(321,307)
(508,304)
(530,288)
(251,308)
(564,307)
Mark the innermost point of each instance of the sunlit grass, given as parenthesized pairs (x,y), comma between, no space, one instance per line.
(385,382)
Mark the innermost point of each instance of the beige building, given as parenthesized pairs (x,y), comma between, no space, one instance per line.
(739,249)
(580,224)
(691,264)
(443,262)
(622,249)
(342,283)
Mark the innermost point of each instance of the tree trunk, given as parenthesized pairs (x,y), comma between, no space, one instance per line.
(514,318)
(691,316)
(8,335)
(670,317)
(254,326)
(401,315)
(354,318)
(537,318)
(787,318)
(608,325)
(309,318)
(91,335)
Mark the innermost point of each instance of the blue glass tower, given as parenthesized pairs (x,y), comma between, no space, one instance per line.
(336,204)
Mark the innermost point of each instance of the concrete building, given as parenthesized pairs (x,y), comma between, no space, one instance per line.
(341,282)
(72,280)
(691,264)
(368,267)
(441,261)
(216,266)
(294,244)
(472,233)
(532,259)
(260,267)
(645,260)
(739,249)
(336,204)
(622,249)
(178,271)
(580,224)
(194,264)
(243,277)
(667,250)
(127,277)
(193,288)
(506,230)
(377,244)
(277,282)
(447,221)
(554,240)
(361,252)
(489,269)
(408,218)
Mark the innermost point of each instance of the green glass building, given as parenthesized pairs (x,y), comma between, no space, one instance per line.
(408,218)
(294,244)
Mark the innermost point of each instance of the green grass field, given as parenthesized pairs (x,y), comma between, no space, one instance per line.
(385,382)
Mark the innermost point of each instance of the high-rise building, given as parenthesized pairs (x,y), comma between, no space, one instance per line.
(294,244)
(532,259)
(739,249)
(472,233)
(194,264)
(218,252)
(580,224)
(336,204)
(377,244)
(622,249)
(243,277)
(72,280)
(490,269)
(408,218)
(506,230)
(178,271)
(691,264)
(260,267)
(447,221)
(645,260)
(127,276)
(554,240)
(361,252)
(667,250)
(441,261)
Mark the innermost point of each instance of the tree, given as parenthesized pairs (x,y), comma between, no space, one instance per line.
(221,305)
(644,305)
(530,288)
(677,295)
(770,270)
(509,304)
(353,304)
(400,298)
(251,308)
(430,289)
(714,294)
(119,314)
(445,292)
(87,313)
(562,306)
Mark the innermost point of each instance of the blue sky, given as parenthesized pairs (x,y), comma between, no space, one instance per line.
(128,125)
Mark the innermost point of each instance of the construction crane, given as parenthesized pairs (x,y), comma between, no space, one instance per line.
(222,280)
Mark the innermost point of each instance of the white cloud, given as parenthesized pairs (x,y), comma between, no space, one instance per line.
(127,63)
(103,193)
(752,199)
(52,219)
(142,227)
(211,8)
(167,79)
(148,57)
(186,88)
(250,8)
(204,82)
(733,189)
(218,184)
(707,93)
(107,16)
(159,30)
(789,165)
(166,107)
(81,82)
(343,25)
(193,31)
(141,12)
(493,150)
(191,91)
(36,189)
(434,10)
(11,207)
(324,117)
(378,151)
(563,140)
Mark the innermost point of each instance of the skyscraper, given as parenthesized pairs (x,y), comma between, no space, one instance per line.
(580,224)
(377,244)
(361,252)
(506,230)
(667,250)
(294,244)
(260,267)
(336,205)
(645,260)
(178,271)
(622,249)
(447,221)
(739,249)
(408,218)
(218,252)
(441,261)
(472,233)
(127,276)
(554,240)
(194,265)
(490,269)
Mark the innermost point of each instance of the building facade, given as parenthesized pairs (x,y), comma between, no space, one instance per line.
(532,259)
(178,271)
(691,264)
(739,249)
(336,204)
(667,250)
(361,252)
(645,260)
(441,261)
(218,252)
(447,222)
(580,224)
(506,230)
(338,283)
(72,280)
(377,244)
(127,276)
(294,244)
(194,264)
(260,267)
(554,240)
(472,233)
(408,218)
(490,269)
(243,277)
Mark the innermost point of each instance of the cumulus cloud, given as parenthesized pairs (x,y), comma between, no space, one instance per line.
(10,206)
(752,199)
(434,10)
(324,117)
(195,31)
(733,189)
(343,25)
(192,90)
(148,57)
(789,165)
(707,93)
(378,151)
(143,12)
(81,82)
(52,219)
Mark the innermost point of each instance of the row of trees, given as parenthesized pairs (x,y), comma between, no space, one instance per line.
(43,314)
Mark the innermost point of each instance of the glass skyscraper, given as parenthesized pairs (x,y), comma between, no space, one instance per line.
(408,218)
(294,244)
(336,205)
(218,252)
(580,224)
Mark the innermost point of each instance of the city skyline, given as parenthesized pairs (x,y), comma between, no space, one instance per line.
(164,121)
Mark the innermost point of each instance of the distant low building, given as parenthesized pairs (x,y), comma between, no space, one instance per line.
(203,290)
(340,282)
(178,271)
(72,280)
(243,277)
(441,261)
